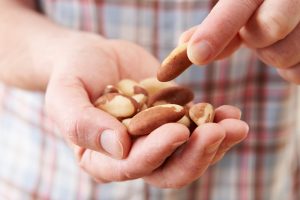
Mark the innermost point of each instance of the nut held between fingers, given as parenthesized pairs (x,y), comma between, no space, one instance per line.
(174,64)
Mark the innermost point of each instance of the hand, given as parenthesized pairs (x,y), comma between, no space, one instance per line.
(84,66)
(168,157)
(270,27)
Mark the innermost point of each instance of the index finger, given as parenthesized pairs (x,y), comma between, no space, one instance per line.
(147,153)
(219,28)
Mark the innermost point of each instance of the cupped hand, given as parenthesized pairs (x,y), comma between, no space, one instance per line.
(168,157)
(84,65)
(270,27)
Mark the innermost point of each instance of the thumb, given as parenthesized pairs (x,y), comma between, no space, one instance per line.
(68,104)
(219,28)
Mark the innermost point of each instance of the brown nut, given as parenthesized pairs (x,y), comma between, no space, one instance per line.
(110,89)
(171,95)
(193,125)
(118,105)
(185,120)
(174,64)
(126,122)
(202,113)
(147,120)
(152,85)
(141,99)
(130,87)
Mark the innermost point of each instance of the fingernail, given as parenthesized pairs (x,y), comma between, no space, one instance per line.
(110,143)
(200,52)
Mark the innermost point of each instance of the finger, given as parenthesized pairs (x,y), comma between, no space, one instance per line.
(186,36)
(272,21)
(191,161)
(147,153)
(236,131)
(227,111)
(219,28)
(284,53)
(291,74)
(82,123)
(234,44)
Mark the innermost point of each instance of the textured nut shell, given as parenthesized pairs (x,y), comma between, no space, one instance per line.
(147,120)
(126,122)
(192,125)
(152,85)
(202,113)
(174,64)
(130,87)
(185,120)
(110,89)
(117,105)
(141,99)
(172,95)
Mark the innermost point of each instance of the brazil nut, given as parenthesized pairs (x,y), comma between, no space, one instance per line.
(147,120)
(118,105)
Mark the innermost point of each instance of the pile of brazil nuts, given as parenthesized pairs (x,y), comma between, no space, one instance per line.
(144,106)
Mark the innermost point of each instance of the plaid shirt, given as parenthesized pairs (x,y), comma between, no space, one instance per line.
(35,162)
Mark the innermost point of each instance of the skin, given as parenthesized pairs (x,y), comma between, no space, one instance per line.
(270,28)
(73,68)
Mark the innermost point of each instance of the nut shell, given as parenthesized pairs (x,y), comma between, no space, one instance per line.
(201,113)
(152,85)
(174,64)
(171,95)
(110,89)
(185,120)
(126,122)
(118,105)
(141,99)
(130,88)
(148,120)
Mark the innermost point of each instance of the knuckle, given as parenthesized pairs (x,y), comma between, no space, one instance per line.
(74,127)
(69,128)
(197,170)
(271,57)
(120,173)
(149,161)
(274,27)
(186,176)
(121,177)
(176,184)
(225,146)
(129,175)
(252,3)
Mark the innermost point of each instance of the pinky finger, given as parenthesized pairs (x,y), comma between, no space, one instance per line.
(227,112)
(236,131)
